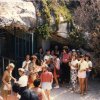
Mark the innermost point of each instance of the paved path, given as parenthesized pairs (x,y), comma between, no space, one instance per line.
(64,93)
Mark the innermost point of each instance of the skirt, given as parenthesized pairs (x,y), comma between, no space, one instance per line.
(5,91)
(88,74)
(74,78)
(46,85)
(82,74)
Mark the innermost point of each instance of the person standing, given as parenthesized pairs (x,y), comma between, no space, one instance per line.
(74,67)
(26,63)
(33,65)
(23,80)
(56,69)
(65,69)
(47,57)
(46,81)
(88,59)
(83,66)
(6,79)
(40,54)
(56,50)
(26,94)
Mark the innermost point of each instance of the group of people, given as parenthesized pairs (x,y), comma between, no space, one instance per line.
(42,71)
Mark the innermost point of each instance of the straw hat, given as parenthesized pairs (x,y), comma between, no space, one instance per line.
(21,69)
(10,65)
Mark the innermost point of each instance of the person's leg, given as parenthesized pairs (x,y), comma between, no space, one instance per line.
(63,73)
(6,93)
(48,94)
(74,79)
(71,78)
(67,73)
(55,77)
(86,84)
(86,81)
(80,84)
(56,80)
(83,85)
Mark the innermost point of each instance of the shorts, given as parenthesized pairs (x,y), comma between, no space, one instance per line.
(46,85)
(87,74)
(82,74)
(5,91)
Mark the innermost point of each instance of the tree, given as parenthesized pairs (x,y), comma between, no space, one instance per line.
(87,17)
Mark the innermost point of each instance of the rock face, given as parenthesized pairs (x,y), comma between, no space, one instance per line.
(17,13)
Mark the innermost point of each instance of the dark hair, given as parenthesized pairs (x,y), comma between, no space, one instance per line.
(33,57)
(36,82)
(16,87)
(56,55)
(86,55)
(81,56)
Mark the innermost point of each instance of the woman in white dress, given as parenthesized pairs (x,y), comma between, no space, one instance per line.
(73,66)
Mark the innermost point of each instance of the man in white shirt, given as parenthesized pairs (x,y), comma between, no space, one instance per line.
(23,80)
(26,63)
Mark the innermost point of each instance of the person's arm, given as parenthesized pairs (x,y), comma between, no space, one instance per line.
(90,65)
(41,76)
(76,65)
(13,78)
(51,78)
(24,65)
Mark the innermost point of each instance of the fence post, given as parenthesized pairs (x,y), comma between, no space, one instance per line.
(3,63)
(8,61)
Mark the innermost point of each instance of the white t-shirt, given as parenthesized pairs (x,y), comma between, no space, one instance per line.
(47,57)
(23,81)
(83,65)
(24,63)
(90,65)
(73,63)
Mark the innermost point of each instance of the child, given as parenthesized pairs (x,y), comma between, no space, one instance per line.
(46,80)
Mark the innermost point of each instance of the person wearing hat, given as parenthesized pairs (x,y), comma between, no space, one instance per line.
(26,94)
(23,80)
(6,79)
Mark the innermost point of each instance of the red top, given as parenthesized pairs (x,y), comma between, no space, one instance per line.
(65,58)
(46,77)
